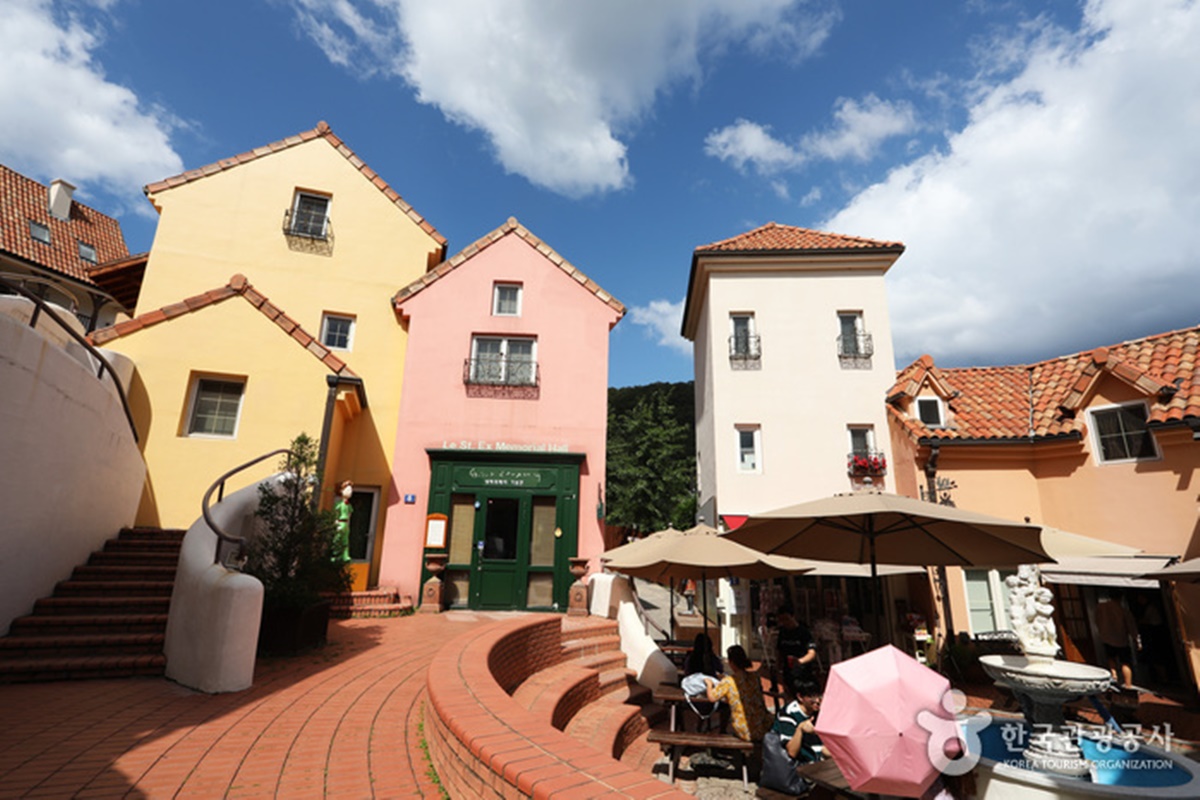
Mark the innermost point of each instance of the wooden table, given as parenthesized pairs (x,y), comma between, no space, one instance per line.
(827,774)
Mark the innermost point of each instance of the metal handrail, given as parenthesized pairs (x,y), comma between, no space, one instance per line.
(40,306)
(859,345)
(219,487)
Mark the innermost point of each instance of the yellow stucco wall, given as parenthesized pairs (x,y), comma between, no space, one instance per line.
(229,223)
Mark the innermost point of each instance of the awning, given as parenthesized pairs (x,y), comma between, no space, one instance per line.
(734,521)
(1121,571)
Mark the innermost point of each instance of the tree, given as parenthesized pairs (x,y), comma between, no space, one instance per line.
(651,481)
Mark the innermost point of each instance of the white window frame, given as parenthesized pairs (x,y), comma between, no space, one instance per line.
(292,222)
(1098,448)
(859,331)
(997,597)
(87,252)
(193,397)
(496,312)
(870,431)
(35,228)
(756,433)
(504,359)
(941,411)
(325,318)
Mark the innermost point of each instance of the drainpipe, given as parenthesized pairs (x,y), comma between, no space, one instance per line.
(942,578)
(333,382)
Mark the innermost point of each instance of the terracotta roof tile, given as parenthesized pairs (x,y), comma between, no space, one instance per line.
(1042,400)
(774,236)
(511,227)
(323,131)
(23,200)
(238,286)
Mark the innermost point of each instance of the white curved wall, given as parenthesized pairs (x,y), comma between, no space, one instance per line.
(612,597)
(212,628)
(72,472)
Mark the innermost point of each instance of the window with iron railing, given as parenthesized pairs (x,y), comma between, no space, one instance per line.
(854,341)
(308,216)
(744,347)
(501,362)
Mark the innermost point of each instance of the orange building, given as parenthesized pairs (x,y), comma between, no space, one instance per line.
(1104,443)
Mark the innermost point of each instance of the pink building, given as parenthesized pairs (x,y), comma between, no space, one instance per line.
(502,424)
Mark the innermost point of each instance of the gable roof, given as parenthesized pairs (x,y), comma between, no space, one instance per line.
(775,238)
(322,131)
(1042,400)
(23,200)
(777,242)
(514,228)
(238,286)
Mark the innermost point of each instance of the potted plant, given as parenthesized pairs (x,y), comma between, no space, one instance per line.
(867,464)
(295,555)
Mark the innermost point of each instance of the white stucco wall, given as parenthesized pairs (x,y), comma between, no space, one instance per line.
(800,395)
(72,471)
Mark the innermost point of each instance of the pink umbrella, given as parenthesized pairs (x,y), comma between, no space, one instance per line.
(871,722)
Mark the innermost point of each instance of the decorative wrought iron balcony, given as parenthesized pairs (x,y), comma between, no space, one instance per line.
(856,346)
(744,347)
(309,224)
(866,462)
(492,371)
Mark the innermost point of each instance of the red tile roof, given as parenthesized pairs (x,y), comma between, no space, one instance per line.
(776,237)
(322,131)
(516,229)
(1042,400)
(23,199)
(238,286)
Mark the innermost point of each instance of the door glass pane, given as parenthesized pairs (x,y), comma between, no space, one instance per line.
(362,504)
(540,592)
(541,548)
(860,440)
(462,527)
(500,534)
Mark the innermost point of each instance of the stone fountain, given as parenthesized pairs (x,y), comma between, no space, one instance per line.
(1042,683)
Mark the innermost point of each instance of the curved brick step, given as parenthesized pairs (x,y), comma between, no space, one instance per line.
(120,545)
(582,647)
(74,668)
(133,558)
(153,534)
(369,604)
(610,725)
(556,693)
(51,645)
(609,659)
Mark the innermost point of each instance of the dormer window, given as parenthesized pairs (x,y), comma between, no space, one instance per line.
(87,252)
(39,231)
(506,300)
(308,216)
(1121,434)
(929,411)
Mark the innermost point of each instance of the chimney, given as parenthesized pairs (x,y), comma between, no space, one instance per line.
(60,199)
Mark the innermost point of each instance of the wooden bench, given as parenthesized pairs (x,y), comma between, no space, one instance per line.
(678,740)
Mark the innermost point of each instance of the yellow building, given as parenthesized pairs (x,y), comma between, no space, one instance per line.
(263,314)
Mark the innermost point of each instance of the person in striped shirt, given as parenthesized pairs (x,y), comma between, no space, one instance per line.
(796,719)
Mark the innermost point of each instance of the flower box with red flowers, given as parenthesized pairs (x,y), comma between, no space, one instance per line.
(867,464)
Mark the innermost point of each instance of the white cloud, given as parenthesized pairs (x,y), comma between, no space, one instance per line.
(62,117)
(859,128)
(555,87)
(1063,215)
(662,320)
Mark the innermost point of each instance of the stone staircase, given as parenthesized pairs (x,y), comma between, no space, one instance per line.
(593,697)
(107,620)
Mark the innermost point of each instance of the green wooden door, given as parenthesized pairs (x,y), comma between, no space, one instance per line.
(502,551)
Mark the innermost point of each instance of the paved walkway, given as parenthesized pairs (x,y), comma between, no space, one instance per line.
(342,722)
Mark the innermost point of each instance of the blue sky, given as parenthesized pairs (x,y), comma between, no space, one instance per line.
(1040,160)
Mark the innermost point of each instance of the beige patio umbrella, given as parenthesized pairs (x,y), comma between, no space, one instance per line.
(877,527)
(701,550)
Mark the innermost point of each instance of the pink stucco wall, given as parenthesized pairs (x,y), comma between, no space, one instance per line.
(572,327)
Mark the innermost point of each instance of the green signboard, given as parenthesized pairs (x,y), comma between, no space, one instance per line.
(505,477)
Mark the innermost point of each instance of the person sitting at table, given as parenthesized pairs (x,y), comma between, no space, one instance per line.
(702,660)
(791,740)
(700,665)
(741,689)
